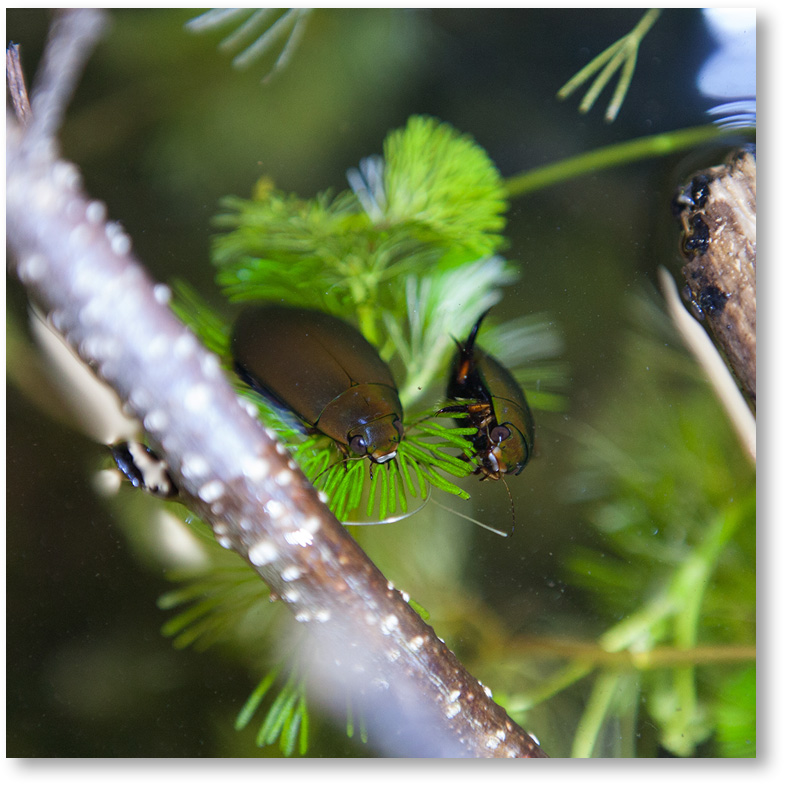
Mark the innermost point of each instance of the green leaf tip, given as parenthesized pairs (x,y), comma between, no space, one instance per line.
(442,179)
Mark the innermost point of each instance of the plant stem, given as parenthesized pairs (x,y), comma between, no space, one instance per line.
(606,690)
(640,149)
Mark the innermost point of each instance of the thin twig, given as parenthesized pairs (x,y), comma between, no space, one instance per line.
(79,268)
(71,40)
(16,85)
(704,351)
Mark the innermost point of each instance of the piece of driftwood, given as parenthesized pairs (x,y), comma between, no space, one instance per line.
(717,210)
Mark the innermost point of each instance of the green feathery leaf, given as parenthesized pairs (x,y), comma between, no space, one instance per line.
(441,181)
(621,55)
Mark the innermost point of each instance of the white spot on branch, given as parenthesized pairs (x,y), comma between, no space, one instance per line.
(492,742)
(291,573)
(210,366)
(66,175)
(156,421)
(284,478)
(121,244)
(194,466)
(212,491)
(256,469)
(274,509)
(262,553)
(32,268)
(185,346)
(299,537)
(162,293)
(96,212)
(291,595)
(197,398)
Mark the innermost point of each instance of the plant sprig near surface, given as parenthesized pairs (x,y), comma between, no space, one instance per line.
(434,203)
(619,56)
(259,31)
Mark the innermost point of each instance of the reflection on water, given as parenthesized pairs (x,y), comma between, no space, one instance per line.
(729,71)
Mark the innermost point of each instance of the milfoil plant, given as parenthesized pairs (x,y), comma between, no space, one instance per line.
(409,255)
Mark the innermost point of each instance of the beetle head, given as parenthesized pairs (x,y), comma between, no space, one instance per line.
(378,439)
(509,453)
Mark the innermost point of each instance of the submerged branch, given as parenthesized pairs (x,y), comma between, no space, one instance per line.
(79,269)
(717,210)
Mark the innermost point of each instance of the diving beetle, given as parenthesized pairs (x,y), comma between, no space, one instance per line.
(325,372)
(495,404)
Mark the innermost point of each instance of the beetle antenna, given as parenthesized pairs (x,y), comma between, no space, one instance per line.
(469,345)
(469,518)
(512,504)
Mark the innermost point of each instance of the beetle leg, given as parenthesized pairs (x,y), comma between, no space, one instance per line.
(144,469)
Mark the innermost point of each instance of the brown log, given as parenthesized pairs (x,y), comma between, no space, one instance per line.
(717,210)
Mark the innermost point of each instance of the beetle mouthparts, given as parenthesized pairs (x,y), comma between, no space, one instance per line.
(384,458)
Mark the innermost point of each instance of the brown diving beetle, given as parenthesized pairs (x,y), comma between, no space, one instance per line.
(325,372)
(494,403)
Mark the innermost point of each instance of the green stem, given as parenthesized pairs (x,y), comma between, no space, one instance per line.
(566,677)
(625,79)
(605,688)
(589,69)
(367,321)
(599,83)
(613,155)
(694,582)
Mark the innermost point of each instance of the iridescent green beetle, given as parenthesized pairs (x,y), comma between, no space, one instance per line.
(495,405)
(325,372)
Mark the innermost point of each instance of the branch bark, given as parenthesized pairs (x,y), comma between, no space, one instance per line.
(717,210)
(80,270)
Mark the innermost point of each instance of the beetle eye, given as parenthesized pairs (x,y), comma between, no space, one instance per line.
(399,427)
(500,433)
(357,445)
